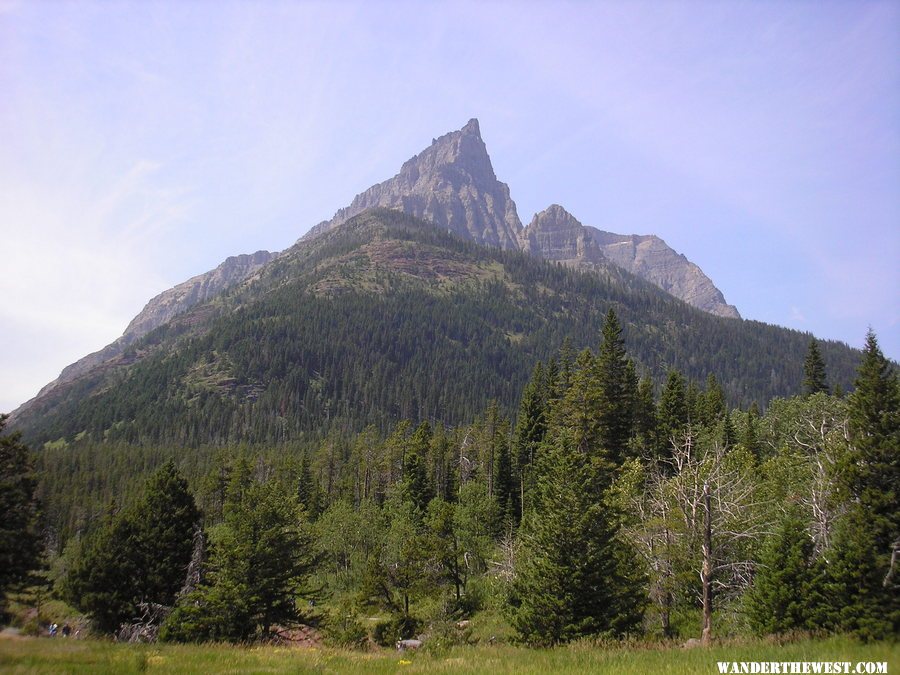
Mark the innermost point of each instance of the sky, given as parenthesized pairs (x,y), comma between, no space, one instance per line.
(143,143)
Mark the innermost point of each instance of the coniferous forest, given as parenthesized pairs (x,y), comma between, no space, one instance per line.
(601,503)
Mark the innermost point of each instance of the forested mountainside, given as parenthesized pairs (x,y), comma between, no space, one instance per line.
(452,186)
(383,318)
(600,509)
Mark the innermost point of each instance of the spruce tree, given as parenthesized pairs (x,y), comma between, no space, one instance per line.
(140,554)
(414,469)
(168,519)
(617,384)
(672,415)
(785,583)
(873,479)
(814,380)
(261,560)
(19,534)
(574,577)
(531,427)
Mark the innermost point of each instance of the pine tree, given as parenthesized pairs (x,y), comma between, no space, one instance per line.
(855,598)
(814,380)
(19,535)
(617,384)
(672,414)
(645,413)
(713,406)
(140,554)
(784,586)
(874,483)
(573,576)
(261,560)
(167,521)
(414,470)
(579,409)
(531,427)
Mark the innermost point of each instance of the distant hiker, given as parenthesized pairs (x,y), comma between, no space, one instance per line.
(53,627)
(66,630)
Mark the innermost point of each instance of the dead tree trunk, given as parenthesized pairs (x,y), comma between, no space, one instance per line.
(706,570)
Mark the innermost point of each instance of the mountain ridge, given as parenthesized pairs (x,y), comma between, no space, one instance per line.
(452,185)
(386,317)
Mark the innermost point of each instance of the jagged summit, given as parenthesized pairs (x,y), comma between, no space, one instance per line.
(451,184)
(555,234)
(649,257)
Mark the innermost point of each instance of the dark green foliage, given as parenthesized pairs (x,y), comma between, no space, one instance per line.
(261,558)
(673,414)
(617,384)
(873,478)
(20,543)
(280,359)
(814,378)
(855,597)
(414,471)
(531,427)
(572,574)
(712,405)
(141,554)
(785,586)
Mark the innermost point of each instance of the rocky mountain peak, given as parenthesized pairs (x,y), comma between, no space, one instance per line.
(651,258)
(451,184)
(555,234)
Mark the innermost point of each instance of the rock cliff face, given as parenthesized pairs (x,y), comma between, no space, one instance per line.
(555,234)
(163,308)
(451,184)
(650,258)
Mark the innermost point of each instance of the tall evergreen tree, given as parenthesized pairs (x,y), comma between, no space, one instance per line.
(414,469)
(19,534)
(617,383)
(573,576)
(874,478)
(814,379)
(531,427)
(261,560)
(785,584)
(141,554)
(672,413)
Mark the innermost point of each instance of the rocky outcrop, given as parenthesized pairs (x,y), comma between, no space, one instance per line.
(451,184)
(650,258)
(201,288)
(555,234)
(162,309)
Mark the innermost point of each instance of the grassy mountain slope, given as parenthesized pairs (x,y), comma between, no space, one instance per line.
(385,318)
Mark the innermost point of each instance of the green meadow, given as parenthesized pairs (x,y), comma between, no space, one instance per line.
(45,655)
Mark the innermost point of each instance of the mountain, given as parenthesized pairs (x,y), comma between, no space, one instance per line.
(451,184)
(386,317)
(161,309)
(450,188)
(650,258)
(555,234)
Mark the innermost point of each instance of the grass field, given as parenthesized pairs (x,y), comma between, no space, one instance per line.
(45,655)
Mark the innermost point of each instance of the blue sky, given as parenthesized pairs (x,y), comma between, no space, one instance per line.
(141,144)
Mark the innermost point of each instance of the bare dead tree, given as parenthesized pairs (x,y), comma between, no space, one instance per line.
(713,493)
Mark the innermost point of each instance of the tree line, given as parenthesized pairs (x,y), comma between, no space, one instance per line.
(605,506)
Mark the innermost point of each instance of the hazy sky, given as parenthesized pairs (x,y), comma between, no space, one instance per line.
(141,144)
